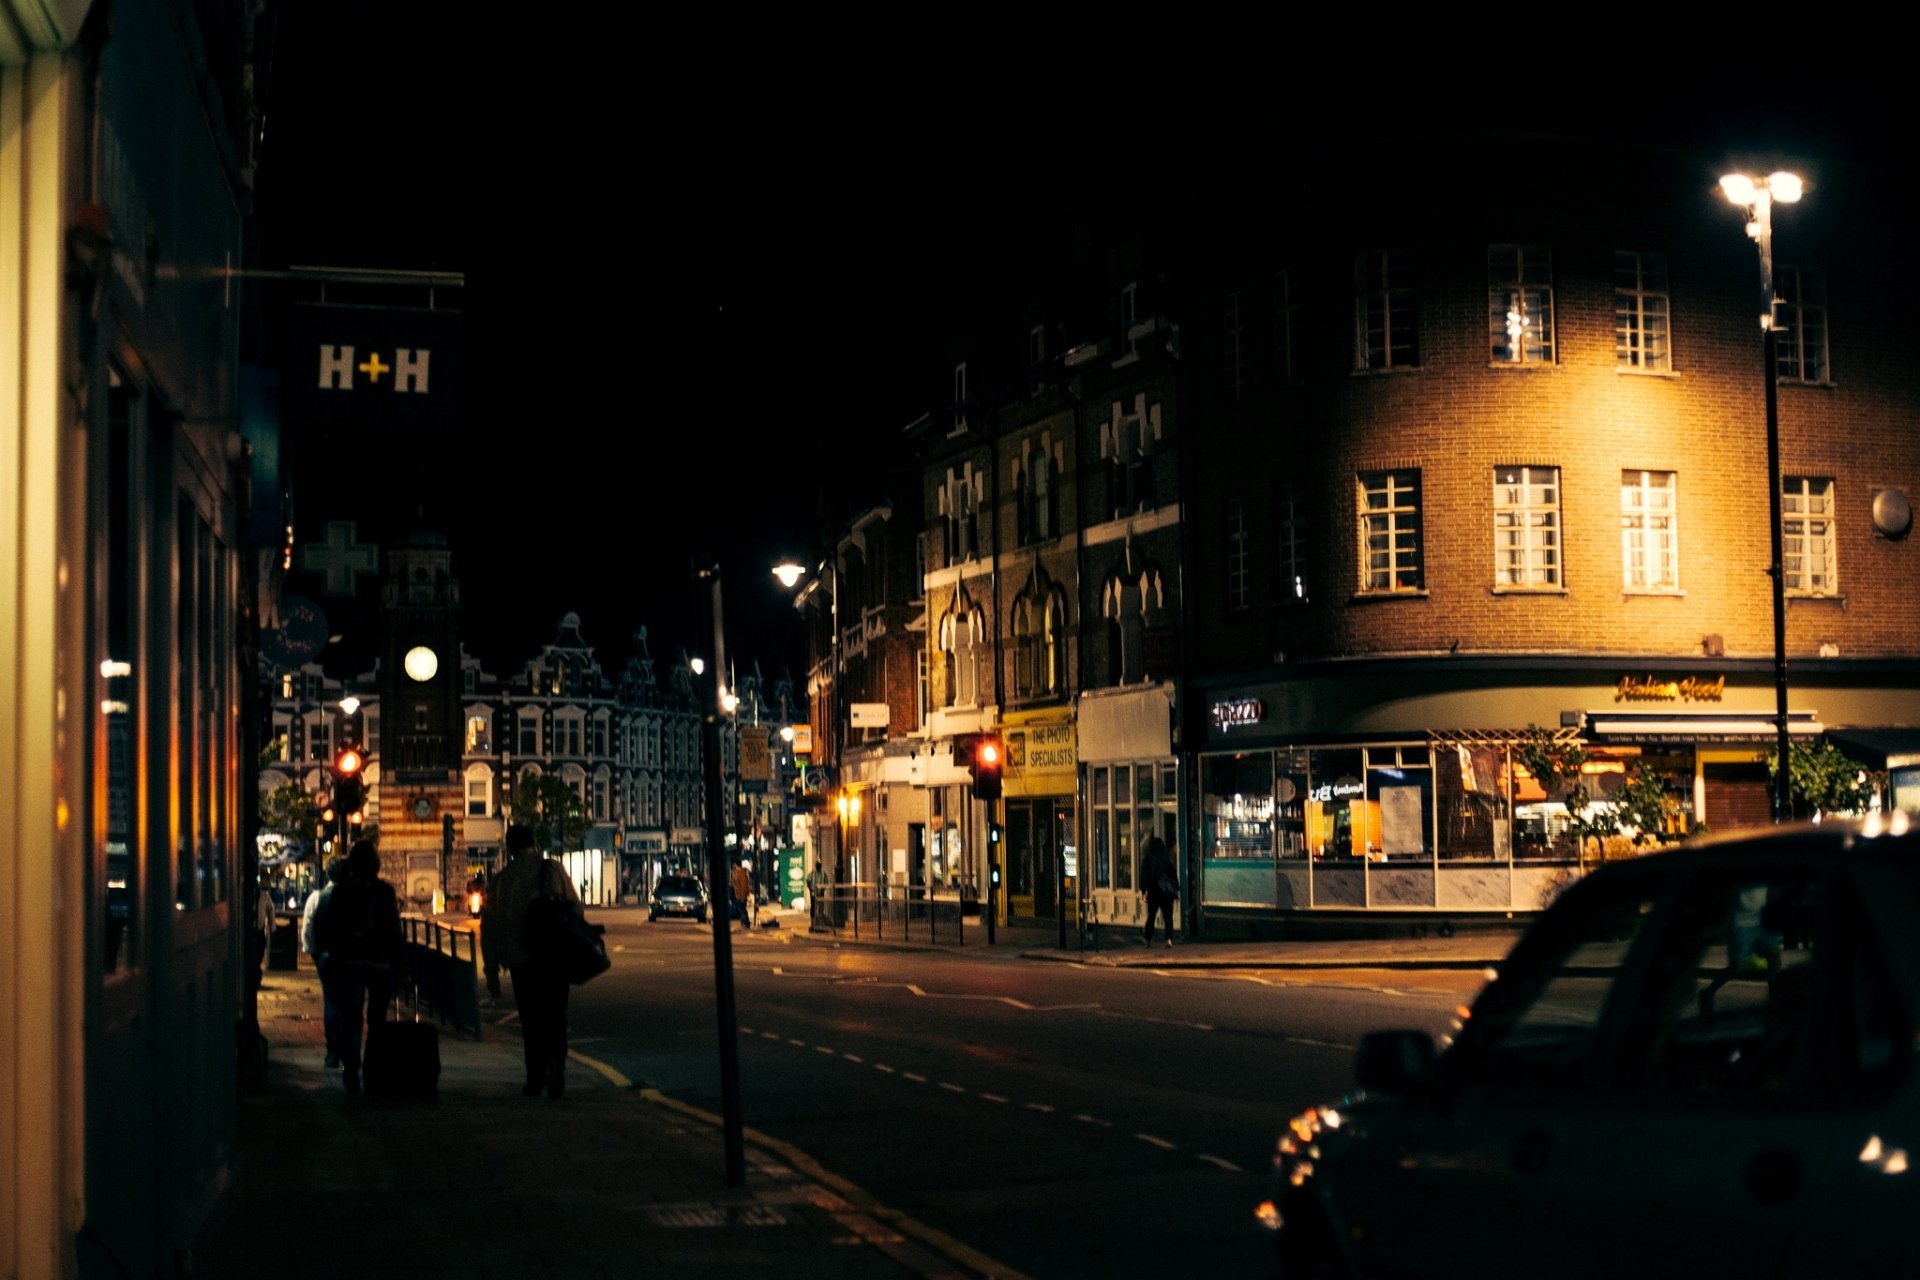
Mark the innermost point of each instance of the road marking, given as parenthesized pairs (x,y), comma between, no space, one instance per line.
(798,1044)
(950,1087)
(992,1097)
(1040,1106)
(853,1057)
(1150,1140)
(1228,1165)
(826,1049)
(1084,1118)
(881,1066)
(916,1079)
(769,1035)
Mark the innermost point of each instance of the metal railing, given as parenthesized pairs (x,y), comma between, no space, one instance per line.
(910,913)
(443,970)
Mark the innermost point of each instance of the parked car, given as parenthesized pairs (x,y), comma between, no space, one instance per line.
(1699,1062)
(679,896)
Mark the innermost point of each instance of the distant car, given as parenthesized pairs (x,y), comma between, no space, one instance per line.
(679,896)
(1700,1062)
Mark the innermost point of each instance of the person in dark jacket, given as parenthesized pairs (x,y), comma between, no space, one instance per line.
(1161,884)
(540,988)
(357,934)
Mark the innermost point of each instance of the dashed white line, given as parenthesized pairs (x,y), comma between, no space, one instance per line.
(769,1035)
(917,1079)
(992,1097)
(823,1048)
(798,1044)
(853,1057)
(951,1087)
(1228,1165)
(881,1066)
(1084,1118)
(1040,1106)
(1150,1140)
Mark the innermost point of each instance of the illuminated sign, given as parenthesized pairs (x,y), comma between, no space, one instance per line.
(1338,789)
(1690,689)
(1238,712)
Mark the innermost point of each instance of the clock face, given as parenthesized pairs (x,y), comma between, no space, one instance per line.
(421,663)
(423,808)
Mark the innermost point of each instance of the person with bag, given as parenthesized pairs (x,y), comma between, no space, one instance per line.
(1161,883)
(540,984)
(359,938)
(329,1000)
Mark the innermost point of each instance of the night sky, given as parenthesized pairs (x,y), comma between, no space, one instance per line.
(707,271)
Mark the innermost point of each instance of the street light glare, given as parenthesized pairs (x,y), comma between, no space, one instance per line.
(1739,188)
(1785,187)
(789,573)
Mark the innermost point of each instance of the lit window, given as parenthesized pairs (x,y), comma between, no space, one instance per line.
(1290,569)
(1640,319)
(1807,536)
(1526,528)
(1649,531)
(1390,553)
(1520,303)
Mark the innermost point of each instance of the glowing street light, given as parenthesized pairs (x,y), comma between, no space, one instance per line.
(1758,196)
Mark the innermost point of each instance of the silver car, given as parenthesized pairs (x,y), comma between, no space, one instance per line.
(1699,1062)
(679,896)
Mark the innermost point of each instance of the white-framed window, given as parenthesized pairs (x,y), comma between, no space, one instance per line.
(962,639)
(960,396)
(479,791)
(1386,330)
(1233,355)
(1290,549)
(1036,360)
(1526,528)
(1520,303)
(1649,531)
(479,733)
(1236,566)
(1129,317)
(1800,324)
(1283,307)
(1390,552)
(1807,536)
(1641,323)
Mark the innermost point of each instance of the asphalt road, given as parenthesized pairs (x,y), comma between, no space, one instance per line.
(1067,1121)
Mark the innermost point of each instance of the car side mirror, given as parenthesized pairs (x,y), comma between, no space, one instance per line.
(1401,1062)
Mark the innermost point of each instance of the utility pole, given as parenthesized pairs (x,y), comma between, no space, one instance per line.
(720,878)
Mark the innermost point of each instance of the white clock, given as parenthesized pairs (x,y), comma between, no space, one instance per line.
(421,663)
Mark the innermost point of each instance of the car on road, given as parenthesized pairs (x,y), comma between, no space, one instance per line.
(679,896)
(1697,1062)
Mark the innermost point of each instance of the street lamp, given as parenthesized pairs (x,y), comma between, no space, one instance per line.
(789,573)
(1758,196)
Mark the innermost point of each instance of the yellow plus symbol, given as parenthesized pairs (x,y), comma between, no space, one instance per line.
(372,367)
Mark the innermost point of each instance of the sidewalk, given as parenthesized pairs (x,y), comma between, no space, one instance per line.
(611,1180)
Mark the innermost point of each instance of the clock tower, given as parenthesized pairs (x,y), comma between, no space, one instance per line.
(421,737)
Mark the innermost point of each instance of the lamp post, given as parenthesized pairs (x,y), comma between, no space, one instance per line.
(1758,196)
(789,573)
(707,571)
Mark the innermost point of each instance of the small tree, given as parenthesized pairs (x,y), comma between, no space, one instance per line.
(288,812)
(1553,761)
(1823,779)
(551,810)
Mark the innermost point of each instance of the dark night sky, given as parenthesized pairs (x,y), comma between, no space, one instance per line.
(702,277)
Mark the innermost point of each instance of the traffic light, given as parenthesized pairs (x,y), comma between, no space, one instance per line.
(987,757)
(349,788)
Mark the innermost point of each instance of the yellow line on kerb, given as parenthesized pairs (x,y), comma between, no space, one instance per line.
(958,1251)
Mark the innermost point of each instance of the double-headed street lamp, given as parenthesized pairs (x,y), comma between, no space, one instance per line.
(1758,196)
(789,573)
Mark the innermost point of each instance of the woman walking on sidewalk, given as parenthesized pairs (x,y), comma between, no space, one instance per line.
(539,989)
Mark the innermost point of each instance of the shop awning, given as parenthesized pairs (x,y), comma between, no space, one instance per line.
(1885,748)
(1700,726)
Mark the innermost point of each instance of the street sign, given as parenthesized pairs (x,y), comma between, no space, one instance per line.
(868,715)
(756,757)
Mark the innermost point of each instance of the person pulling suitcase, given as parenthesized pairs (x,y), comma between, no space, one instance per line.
(357,927)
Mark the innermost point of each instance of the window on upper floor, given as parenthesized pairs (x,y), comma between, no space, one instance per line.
(960,396)
(600,810)
(598,735)
(320,736)
(370,730)
(962,639)
(1036,489)
(1283,315)
(479,791)
(1526,528)
(1233,353)
(1027,635)
(1127,442)
(1520,303)
(1641,324)
(1386,329)
(1236,549)
(1290,548)
(1123,606)
(1390,541)
(529,735)
(1649,531)
(923,684)
(1800,324)
(961,508)
(479,735)
(1807,536)
(1037,360)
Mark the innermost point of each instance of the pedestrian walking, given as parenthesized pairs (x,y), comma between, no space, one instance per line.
(743,903)
(357,933)
(329,1002)
(1161,883)
(817,892)
(540,989)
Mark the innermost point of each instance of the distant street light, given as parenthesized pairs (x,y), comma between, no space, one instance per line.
(789,573)
(1758,196)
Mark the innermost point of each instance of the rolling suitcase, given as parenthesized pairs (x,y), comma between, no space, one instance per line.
(403,1059)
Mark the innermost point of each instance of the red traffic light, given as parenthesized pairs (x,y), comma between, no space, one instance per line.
(347,762)
(984,761)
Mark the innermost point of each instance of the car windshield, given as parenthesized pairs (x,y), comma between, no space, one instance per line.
(679,884)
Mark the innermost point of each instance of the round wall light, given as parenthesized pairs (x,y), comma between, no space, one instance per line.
(421,663)
(1892,513)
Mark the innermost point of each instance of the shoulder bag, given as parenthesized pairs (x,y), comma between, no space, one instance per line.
(555,934)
